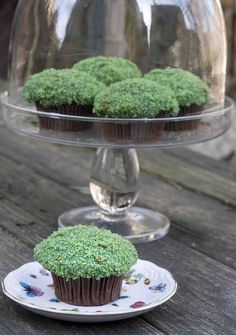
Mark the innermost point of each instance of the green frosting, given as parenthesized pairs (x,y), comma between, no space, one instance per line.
(109,70)
(135,98)
(188,88)
(58,87)
(86,252)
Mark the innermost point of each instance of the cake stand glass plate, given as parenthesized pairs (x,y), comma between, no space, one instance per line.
(212,122)
(145,287)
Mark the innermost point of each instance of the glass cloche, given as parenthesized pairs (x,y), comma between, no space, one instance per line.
(118,74)
(160,34)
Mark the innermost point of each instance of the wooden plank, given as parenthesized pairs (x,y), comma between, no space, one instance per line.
(176,166)
(199,222)
(37,181)
(25,192)
(34,193)
(197,159)
(202,299)
(195,178)
(51,160)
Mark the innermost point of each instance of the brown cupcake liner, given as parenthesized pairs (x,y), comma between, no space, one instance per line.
(146,132)
(188,124)
(87,291)
(64,124)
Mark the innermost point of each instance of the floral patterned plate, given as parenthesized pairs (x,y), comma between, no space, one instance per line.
(144,287)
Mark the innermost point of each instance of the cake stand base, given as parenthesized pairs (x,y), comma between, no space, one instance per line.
(137,225)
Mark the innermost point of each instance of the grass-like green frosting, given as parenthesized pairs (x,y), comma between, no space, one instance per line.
(59,87)
(109,70)
(189,89)
(86,252)
(135,98)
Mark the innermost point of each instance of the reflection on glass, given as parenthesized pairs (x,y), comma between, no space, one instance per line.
(64,9)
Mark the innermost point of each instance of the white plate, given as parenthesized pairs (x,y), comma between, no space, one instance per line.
(144,288)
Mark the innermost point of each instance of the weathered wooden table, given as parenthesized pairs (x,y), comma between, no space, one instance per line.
(39,181)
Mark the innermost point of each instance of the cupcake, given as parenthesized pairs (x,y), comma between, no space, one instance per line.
(135,99)
(87,264)
(109,70)
(190,91)
(67,92)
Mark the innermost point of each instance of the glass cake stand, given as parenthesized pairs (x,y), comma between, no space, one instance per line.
(153,34)
(115,172)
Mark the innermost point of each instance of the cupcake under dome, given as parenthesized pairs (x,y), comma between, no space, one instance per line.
(153,34)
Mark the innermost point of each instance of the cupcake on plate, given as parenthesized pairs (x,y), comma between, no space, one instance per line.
(67,92)
(190,91)
(109,70)
(135,99)
(87,264)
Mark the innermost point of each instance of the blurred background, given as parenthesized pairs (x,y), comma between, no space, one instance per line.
(222,148)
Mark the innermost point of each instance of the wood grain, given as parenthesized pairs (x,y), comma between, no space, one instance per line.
(38,181)
(49,173)
(190,176)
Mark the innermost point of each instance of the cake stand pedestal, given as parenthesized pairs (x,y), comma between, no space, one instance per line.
(114,188)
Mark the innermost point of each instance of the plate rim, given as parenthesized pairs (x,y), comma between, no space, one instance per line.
(93,314)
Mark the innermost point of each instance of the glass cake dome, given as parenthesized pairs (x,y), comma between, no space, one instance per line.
(178,46)
(153,34)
